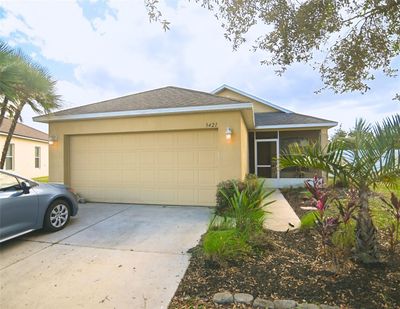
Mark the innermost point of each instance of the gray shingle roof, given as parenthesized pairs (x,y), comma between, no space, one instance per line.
(279,118)
(23,130)
(167,97)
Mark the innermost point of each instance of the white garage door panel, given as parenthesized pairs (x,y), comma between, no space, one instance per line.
(161,168)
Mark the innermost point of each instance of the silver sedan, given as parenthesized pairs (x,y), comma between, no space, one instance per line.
(26,205)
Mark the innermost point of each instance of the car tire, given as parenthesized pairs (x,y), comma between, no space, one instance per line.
(57,216)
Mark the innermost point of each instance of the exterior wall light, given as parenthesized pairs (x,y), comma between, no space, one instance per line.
(228,134)
(52,139)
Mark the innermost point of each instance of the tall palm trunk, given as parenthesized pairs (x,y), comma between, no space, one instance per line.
(14,122)
(3,110)
(366,244)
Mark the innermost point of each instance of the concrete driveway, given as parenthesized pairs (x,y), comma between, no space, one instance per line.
(109,256)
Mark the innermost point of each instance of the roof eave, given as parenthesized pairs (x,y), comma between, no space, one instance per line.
(147,112)
(299,126)
(26,137)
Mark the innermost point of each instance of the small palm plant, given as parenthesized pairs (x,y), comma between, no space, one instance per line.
(247,207)
(364,160)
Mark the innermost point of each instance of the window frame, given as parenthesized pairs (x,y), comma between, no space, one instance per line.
(38,157)
(11,148)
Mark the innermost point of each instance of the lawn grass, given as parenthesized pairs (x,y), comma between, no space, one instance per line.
(379,210)
(41,179)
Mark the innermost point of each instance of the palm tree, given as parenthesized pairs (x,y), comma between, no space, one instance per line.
(36,89)
(364,160)
(10,78)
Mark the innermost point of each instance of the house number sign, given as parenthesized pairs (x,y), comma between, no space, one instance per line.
(211,124)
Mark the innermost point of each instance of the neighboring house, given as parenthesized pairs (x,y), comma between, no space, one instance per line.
(173,145)
(28,152)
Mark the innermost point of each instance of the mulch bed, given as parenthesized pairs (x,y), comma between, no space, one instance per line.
(297,199)
(292,267)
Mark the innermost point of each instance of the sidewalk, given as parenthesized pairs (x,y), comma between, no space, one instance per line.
(280,214)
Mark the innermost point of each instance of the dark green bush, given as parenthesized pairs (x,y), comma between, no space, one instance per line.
(237,227)
(247,208)
(226,188)
(225,245)
(251,182)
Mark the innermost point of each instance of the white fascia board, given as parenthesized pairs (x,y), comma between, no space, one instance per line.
(25,137)
(145,112)
(251,97)
(294,126)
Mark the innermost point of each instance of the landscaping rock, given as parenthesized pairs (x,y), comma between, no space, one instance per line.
(328,307)
(307,207)
(223,298)
(263,303)
(285,304)
(243,298)
(307,306)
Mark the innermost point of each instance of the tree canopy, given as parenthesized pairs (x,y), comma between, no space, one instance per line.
(347,41)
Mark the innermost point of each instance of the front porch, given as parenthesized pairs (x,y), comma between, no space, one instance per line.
(266,147)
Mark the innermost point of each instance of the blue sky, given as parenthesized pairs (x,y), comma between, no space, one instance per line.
(99,49)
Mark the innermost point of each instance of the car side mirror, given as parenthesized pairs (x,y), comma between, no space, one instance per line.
(25,188)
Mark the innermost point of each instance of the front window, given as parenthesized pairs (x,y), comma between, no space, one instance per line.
(10,157)
(37,157)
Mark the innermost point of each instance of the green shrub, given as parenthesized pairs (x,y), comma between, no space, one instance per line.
(251,182)
(309,220)
(237,227)
(344,238)
(225,245)
(226,188)
(247,208)
(222,223)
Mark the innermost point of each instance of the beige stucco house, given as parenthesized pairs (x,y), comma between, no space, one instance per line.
(173,145)
(28,151)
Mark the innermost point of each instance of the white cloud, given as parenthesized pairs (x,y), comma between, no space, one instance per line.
(126,53)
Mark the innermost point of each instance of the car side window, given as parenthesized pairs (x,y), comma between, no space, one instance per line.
(8,182)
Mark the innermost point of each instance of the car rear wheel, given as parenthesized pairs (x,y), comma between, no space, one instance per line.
(57,216)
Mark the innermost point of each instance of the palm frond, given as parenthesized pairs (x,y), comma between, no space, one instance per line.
(10,76)
(314,157)
(369,156)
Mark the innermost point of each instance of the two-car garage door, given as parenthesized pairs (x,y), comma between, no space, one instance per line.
(177,168)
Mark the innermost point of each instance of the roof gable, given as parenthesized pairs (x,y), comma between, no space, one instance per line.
(22,130)
(172,100)
(161,98)
(262,105)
